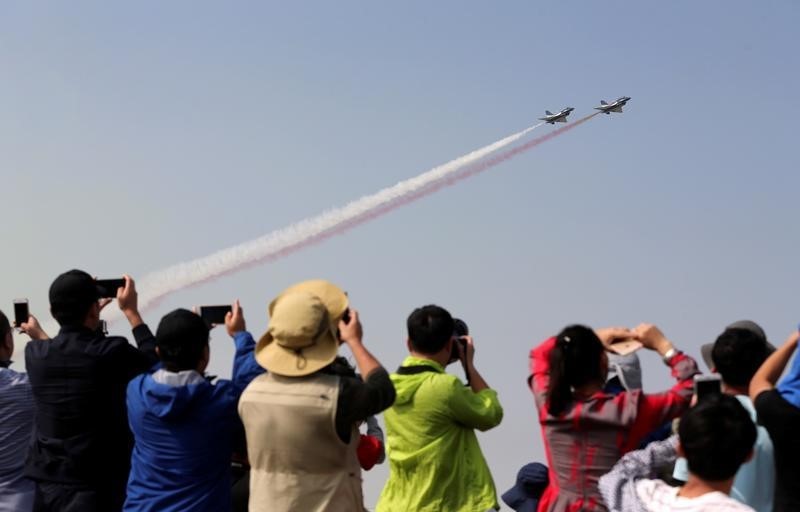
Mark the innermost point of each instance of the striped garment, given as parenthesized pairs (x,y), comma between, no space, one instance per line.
(585,442)
(628,487)
(16,427)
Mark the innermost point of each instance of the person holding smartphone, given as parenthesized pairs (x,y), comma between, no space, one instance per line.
(81,449)
(175,412)
(734,358)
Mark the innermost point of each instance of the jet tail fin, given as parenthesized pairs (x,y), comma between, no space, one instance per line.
(603,102)
(548,112)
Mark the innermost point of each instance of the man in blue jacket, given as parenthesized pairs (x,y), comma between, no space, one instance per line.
(183,425)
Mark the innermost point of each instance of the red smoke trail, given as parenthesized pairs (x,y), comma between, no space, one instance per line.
(203,275)
(450,180)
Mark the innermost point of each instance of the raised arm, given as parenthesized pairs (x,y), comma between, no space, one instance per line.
(771,370)
(145,357)
(539,377)
(618,487)
(655,409)
(245,367)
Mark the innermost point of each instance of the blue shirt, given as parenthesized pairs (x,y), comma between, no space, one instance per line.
(755,481)
(16,411)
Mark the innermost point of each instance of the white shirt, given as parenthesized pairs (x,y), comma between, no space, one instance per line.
(657,496)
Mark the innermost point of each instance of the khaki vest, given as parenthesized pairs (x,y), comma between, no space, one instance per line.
(298,463)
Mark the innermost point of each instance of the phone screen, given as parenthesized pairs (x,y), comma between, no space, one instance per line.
(107,288)
(21,312)
(214,314)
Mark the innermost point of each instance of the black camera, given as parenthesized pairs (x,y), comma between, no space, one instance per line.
(459,329)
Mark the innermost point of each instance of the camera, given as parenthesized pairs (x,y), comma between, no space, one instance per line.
(460,329)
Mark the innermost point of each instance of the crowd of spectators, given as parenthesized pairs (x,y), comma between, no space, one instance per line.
(101,424)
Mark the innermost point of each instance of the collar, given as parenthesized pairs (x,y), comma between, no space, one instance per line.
(420,361)
(5,364)
(67,329)
(175,379)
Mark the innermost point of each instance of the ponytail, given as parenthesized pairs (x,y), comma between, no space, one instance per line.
(559,389)
(574,361)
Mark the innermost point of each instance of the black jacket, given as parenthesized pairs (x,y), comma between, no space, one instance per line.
(79,379)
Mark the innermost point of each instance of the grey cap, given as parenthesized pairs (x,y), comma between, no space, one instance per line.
(626,368)
(747,325)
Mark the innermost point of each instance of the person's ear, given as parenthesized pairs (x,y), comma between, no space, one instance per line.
(749,456)
(158,352)
(409,346)
(448,347)
(204,359)
(680,452)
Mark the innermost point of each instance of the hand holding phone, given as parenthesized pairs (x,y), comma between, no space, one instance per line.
(214,315)
(107,288)
(21,312)
(624,347)
(706,386)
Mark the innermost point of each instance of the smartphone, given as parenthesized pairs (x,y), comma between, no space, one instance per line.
(625,347)
(107,288)
(21,312)
(707,385)
(214,314)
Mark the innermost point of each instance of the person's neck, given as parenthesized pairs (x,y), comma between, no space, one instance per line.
(437,358)
(696,487)
(734,390)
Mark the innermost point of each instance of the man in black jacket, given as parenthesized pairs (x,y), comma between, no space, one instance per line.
(81,450)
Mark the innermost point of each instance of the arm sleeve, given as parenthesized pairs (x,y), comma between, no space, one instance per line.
(540,372)
(481,410)
(143,357)
(358,400)
(655,409)
(374,430)
(245,367)
(618,487)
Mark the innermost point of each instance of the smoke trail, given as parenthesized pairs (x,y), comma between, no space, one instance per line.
(284,241)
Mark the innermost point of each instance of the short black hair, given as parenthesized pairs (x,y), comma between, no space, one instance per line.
(71,297)
(5,327)
(181,337)
(717,435)
(737,355)
(430,328)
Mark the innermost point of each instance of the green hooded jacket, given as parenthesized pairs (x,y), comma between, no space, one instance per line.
(435,461)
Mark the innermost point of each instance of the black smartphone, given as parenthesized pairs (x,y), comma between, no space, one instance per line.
(21,312)
(107,288)
(707,386)
(214,314)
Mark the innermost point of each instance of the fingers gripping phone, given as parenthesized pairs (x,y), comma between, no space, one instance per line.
(21,312)
(214,314)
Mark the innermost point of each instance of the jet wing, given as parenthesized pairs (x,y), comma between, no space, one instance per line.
(616,109)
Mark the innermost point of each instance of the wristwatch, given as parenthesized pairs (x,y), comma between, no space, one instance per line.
(670,354)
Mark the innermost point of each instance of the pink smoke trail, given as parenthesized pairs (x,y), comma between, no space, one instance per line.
(285,241)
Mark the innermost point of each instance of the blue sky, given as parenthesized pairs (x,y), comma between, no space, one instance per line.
(140,135)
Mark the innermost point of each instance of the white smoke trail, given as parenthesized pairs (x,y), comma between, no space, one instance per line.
(157,285)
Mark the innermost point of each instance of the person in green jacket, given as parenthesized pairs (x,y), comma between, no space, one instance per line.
(435,461)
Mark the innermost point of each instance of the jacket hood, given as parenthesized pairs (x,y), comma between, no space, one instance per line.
(173,399)
(406,385)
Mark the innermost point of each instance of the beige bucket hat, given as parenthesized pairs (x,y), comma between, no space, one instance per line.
(302,334)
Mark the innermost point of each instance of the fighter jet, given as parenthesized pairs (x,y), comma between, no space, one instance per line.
(615,106)
(560,117)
